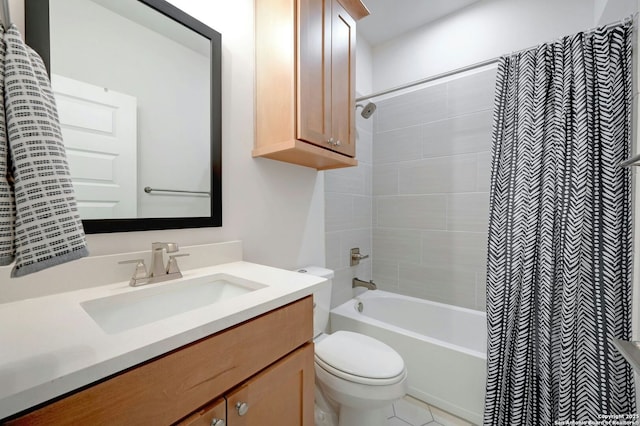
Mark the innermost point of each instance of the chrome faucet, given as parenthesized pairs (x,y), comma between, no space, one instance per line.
(355,282)
(158,268)
(158,271)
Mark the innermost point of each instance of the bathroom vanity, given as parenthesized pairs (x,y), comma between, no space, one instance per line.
(245,358)
(256,373)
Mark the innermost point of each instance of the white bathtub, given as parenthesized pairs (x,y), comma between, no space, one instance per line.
(443,346)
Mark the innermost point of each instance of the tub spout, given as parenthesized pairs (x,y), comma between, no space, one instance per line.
(355,282)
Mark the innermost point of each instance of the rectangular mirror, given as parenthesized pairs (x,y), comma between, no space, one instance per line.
(138,88)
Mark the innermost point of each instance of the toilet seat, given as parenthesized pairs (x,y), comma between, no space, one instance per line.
(359,359)
(359,379)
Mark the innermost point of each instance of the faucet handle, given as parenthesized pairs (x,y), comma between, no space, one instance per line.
(172,266)
(140,272)
(356,257)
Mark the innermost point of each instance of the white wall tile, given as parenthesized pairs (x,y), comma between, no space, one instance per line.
(338,211)
(456,249)
(362,208)
(422,106)
(332,247)
(443,174)
(355,238)
(471,93)
(468,212)
(364,145)
(363,270)
(481,290)
(398,145)
(447,285)
(349,180)
(341,290)
(368,178)
(385,179)
(347,211)
(458,135)
(385,273)
(418,201)
(374,213)
(412,211)
(339,244)
(483,182)
(396,245)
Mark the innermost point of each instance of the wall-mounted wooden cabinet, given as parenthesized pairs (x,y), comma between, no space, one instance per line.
(305,81)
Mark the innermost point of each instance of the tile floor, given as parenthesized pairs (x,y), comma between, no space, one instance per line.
(412,412)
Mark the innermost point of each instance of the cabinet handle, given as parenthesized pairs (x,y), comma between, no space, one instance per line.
(338,143)
(242,408)
(330,141)
(217,422)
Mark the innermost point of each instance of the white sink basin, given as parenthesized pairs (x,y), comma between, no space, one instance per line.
(158,301)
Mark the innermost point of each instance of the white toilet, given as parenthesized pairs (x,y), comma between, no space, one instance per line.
(357,376)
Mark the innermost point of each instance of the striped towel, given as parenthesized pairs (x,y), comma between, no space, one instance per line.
(7,202)
(48,229)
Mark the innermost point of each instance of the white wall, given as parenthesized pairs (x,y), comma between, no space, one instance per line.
(364,66)
(607,11)
(276,209)
(485,30)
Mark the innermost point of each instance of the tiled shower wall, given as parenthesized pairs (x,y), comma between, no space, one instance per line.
(431,172)
(348,214)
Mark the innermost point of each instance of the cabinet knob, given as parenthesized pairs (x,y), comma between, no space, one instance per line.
(217,422)
(330,141)
(338,143)
(242,408)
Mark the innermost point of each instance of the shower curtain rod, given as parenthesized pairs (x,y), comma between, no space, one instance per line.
(428,79)
(476,65)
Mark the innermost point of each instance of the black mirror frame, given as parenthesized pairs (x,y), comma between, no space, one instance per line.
(37,36)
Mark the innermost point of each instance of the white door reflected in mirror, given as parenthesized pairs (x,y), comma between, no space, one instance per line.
(130,48)
(99,129)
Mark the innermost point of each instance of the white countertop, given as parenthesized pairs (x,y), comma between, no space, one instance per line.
(50,346)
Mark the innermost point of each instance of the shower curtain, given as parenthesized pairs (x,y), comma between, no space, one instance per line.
(559,253)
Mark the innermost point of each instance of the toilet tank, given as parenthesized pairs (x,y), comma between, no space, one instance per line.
(321,298)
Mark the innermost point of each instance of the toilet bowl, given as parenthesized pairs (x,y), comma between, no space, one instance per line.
(357,376)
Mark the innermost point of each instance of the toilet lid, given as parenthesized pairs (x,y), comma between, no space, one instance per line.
(359,355)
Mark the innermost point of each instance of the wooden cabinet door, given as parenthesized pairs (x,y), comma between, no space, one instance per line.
(212,414)
(279,395)
(343,59)
(314,72)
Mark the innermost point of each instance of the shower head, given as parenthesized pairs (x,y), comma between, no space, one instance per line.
(367,110)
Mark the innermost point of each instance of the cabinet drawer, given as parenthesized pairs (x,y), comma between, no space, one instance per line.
(165,390)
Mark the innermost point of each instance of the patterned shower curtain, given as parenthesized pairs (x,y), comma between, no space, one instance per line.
(559,261)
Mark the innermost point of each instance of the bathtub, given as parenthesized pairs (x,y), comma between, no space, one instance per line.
(443,346)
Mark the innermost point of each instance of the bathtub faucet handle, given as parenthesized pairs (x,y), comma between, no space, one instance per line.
(356,257)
